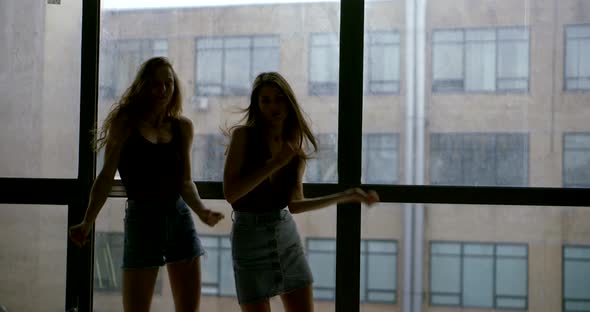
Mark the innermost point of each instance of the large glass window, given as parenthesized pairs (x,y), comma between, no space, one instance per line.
(228,65)
(39,88)
(481,60)
(380,158)
(479,275)
(576,278)
(209,157)
(577,57)
(479,159)
(217,273)
(378,269)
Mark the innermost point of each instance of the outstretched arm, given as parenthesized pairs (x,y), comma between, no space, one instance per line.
(300,204)
(188,189)
(103,183)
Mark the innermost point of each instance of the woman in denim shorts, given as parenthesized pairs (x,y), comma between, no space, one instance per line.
(263,183)
(149,142)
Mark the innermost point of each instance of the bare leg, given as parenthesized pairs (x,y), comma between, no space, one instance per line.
(262,306)
(298,300)
(138,288)
(185,281)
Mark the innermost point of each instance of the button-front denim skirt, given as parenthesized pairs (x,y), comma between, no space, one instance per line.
(267,254)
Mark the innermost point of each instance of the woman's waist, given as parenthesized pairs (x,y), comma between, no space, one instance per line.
(260,217)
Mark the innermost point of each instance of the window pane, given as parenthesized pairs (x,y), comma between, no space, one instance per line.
(478,282)
(33,259)
(480,61)
(511,277)
(445,273)
(39,88)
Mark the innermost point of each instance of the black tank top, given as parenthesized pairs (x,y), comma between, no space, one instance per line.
(152,171)
(267,196)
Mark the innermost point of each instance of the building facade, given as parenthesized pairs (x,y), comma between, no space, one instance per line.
(456,92)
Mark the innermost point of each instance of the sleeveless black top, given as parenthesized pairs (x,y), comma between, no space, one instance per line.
(267,196)
(152,171)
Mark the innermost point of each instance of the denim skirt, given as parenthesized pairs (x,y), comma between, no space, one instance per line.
(267,254)
(159,232)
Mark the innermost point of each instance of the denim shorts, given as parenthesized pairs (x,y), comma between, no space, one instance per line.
(267,254)
(159,232)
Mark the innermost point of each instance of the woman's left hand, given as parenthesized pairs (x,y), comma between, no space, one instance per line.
(210,217)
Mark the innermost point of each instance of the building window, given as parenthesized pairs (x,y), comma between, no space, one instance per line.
(120,60)
(576,160)
(380,158)
(577,57)
(323,64)
(108,259)
(481,60)
(323,166)
(383,62)
(479,159)
(378,269)
(576,278)
(228,65)
(382,69)
(216,266)
(479,275)
(208,157)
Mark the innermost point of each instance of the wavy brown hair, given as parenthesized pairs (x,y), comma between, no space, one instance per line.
(132,106)
(295,128)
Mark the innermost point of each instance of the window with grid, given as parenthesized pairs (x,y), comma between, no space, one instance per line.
(481,60)
(483,275)
(490,159)
(120,60)
(576,160)
(577,57)
(217,275)
(108,259)
(382,68)
(228,65)
(208,157)
(576,278)
(378,269)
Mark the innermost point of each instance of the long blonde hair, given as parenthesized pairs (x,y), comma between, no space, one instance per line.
(132,106)
(295,128)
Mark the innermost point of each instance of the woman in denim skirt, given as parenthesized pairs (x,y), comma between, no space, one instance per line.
(263,183)
(148,140)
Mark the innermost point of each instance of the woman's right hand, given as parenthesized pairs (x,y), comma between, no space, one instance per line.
(287,152)
(79,233)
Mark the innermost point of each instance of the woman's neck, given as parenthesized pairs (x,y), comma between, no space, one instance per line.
(154,120)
